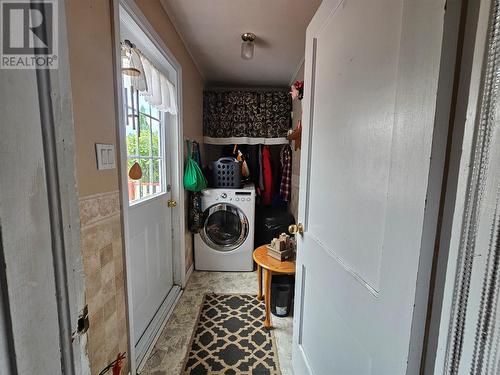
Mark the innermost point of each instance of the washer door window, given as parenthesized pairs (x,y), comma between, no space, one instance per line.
(225,227)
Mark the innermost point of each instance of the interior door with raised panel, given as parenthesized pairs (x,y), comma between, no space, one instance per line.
(371,75)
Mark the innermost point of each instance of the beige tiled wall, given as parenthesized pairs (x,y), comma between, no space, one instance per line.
(103,264)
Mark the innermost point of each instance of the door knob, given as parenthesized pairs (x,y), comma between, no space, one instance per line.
(296,228)
(171,203)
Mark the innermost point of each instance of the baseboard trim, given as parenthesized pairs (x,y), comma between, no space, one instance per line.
(189,273)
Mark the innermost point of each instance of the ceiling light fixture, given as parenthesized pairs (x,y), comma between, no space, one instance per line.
(247,46)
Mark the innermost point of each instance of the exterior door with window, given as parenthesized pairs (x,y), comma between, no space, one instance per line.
(371,76)
(150,227)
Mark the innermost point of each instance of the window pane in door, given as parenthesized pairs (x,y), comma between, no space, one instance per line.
(146,185)
(131,140)
(155,138)
(144,136)
(156,180)
(143,105)
(146,177)
(144,147)
(133,190)
(155,113)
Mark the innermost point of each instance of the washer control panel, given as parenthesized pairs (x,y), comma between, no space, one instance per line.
(236,196)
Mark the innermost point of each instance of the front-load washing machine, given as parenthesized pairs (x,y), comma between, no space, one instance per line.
(225,241)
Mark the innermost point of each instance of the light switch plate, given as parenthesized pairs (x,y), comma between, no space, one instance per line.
(105,154)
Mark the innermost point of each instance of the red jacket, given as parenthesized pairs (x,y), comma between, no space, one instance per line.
(267,194)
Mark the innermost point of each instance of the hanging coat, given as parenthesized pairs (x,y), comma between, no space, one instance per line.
(261,173)
(267,194)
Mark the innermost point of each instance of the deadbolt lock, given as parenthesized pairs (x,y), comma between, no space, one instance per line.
(171,203)
(296,229)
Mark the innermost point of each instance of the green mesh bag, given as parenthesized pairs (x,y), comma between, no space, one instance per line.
(194,180)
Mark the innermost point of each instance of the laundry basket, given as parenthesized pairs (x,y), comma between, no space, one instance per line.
(227,173)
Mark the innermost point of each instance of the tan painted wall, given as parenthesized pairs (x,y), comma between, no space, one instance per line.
(91,69)
(297,115)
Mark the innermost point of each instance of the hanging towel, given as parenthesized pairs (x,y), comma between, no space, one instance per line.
(267,194)
(286,174)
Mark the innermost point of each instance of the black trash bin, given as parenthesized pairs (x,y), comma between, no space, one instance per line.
(282,287)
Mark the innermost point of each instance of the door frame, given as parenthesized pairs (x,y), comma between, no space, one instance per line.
(466,111)
(176,165)
(59,203)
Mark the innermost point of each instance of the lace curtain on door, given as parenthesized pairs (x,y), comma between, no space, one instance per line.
(154,86)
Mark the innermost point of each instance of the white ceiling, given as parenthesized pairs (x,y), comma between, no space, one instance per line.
(211,30)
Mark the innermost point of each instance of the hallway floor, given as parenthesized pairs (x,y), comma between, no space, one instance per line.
(168,354)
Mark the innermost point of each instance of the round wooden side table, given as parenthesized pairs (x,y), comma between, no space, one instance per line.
(271,267)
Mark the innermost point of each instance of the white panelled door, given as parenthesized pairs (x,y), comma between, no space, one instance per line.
(149,217)
(371,76)
(151,260)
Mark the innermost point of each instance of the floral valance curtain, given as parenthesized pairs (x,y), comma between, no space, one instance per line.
(246,117)
(153,85)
